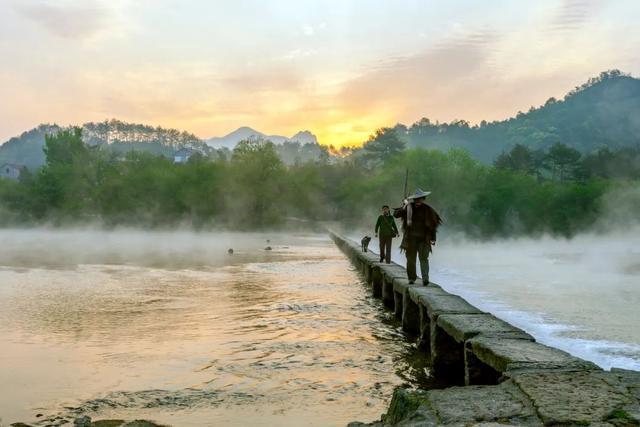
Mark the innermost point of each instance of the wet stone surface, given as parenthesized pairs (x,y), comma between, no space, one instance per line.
(441,304)
(529,399)
(575,397)
(465,326)
(515,354)
(419,293)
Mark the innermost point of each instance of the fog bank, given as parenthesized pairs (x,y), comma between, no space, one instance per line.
(61,248)
(581,295)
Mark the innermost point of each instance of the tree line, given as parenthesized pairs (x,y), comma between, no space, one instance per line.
(253,188)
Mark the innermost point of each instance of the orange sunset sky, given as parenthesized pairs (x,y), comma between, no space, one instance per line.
(338,68)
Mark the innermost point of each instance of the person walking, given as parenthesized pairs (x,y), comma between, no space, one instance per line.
(419,226)
(386,228)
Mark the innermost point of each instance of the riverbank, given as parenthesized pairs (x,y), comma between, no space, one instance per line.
(508,377)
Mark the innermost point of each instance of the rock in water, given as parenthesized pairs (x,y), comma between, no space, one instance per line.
(83,421)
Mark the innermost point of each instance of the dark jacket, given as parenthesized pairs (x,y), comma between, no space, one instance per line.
(387,226)
(424,224)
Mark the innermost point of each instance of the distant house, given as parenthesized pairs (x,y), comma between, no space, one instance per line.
(183,155)
(11,171)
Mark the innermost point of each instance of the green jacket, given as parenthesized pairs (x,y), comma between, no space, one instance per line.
(386,226)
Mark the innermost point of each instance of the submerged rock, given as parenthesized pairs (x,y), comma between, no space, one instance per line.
(83,421)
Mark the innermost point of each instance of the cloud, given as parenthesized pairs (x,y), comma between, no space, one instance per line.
(431,80)
(299,53)
(71,19)
(573,14)
(307,30)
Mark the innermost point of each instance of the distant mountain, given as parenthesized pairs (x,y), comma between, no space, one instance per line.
(26,149)
(603,112)
(231,140)
(113,135)
(304,137)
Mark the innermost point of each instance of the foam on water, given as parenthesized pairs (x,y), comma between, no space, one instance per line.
(577,295)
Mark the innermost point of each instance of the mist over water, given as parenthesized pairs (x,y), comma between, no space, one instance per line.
(168,326)
(35,248)
(581,295)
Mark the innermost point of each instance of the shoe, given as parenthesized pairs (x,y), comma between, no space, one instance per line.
(411,282)
(425,283)
(381,260)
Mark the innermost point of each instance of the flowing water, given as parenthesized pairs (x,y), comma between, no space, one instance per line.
(169,327)
(580,295)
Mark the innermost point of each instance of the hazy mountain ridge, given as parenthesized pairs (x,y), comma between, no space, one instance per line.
(231,139)
(114,135)
(603,112)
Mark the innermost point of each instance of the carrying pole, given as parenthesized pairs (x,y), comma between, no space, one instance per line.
(406,184)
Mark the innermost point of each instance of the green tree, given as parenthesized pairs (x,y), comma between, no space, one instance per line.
(520,158)
(63,189)
(383,145)
(563,161)
(258,180)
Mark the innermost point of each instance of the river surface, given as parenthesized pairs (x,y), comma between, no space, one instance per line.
(169,327)
(580,295)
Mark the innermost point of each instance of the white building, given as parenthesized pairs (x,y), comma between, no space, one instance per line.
(11,171)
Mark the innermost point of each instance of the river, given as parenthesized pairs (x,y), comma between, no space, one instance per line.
(581,295)
(169,327)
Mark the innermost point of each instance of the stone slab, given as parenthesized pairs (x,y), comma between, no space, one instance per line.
(505,355)
(437,304)
(463,405)
(585,397)
(401,285)
(465,326)
(369,257)
(631,379)
(553,398)
(416,293)
(393,271)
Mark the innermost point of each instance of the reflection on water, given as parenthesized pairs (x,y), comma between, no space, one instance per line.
(286,337)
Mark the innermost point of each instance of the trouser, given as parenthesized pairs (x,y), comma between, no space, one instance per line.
(385,248)
(420,248)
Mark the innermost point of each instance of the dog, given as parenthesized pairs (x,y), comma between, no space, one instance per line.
(365,243)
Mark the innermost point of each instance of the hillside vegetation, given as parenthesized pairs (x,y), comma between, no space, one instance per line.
(561,182)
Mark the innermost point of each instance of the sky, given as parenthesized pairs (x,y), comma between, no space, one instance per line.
(339,68)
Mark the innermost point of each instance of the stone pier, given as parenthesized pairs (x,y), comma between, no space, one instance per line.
(498,373)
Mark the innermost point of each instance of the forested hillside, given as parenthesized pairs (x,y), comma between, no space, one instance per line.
(111,135)
(603,112)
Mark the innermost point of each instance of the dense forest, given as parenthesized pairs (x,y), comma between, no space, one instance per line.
(253,188)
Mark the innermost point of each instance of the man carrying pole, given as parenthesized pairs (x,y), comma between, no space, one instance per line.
(419,225)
